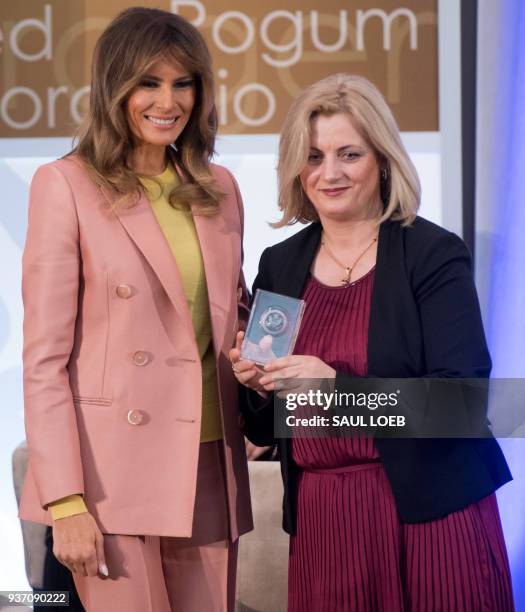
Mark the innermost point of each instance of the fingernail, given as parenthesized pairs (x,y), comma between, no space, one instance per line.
(103,569)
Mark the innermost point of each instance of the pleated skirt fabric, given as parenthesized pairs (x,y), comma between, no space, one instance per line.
(350,552)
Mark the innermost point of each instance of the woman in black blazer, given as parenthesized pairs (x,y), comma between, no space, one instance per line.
(375,524)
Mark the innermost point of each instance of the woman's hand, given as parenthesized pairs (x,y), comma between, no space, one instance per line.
(79,545)
(253,452)
(300,367)
(246,372)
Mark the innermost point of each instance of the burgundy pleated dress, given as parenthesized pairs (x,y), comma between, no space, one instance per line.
(350,552)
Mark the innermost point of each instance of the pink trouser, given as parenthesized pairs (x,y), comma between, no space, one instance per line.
(163,574)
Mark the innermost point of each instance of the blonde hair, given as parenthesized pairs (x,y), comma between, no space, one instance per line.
(130,45)
(358,98)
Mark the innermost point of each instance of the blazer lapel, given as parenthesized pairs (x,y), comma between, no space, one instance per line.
(142,227)
(291,281)
(217,253)
(394,342)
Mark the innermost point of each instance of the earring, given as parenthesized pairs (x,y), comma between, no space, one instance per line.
(384,186)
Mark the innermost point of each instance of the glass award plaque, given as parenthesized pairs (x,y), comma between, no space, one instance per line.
(272,327)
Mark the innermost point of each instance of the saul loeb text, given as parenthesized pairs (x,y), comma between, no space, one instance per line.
(357,420)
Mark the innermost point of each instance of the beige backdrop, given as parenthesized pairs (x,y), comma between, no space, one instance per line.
(264,54)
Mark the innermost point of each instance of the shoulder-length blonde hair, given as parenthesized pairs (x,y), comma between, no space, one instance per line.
(125,51)
(363,103)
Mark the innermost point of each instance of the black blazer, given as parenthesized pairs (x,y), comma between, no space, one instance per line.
(424,321)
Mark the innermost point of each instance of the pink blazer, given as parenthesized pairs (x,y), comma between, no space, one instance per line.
(112,376)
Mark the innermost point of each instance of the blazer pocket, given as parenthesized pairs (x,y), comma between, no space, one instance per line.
(95,401)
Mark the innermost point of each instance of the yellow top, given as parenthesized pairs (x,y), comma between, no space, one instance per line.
(179,230)
(67,506)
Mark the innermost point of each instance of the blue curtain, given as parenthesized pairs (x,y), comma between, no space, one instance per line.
(500,231)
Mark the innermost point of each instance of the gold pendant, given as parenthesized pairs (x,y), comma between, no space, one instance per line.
(346,278)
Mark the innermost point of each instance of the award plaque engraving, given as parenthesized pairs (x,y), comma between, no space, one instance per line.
(272,328)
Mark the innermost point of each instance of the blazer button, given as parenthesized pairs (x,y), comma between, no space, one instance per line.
(140,358)
(135,417)
(124,291)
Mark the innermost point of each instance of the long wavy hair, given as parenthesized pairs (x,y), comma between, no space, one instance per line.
(363,103)
(136,39)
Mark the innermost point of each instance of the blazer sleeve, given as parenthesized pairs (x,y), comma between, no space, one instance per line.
(447,319)
(50,288)
(256,410)
(453,337)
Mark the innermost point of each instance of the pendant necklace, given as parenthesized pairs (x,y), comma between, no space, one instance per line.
(345,281)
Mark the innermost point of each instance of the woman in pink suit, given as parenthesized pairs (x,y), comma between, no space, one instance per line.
(131,276)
